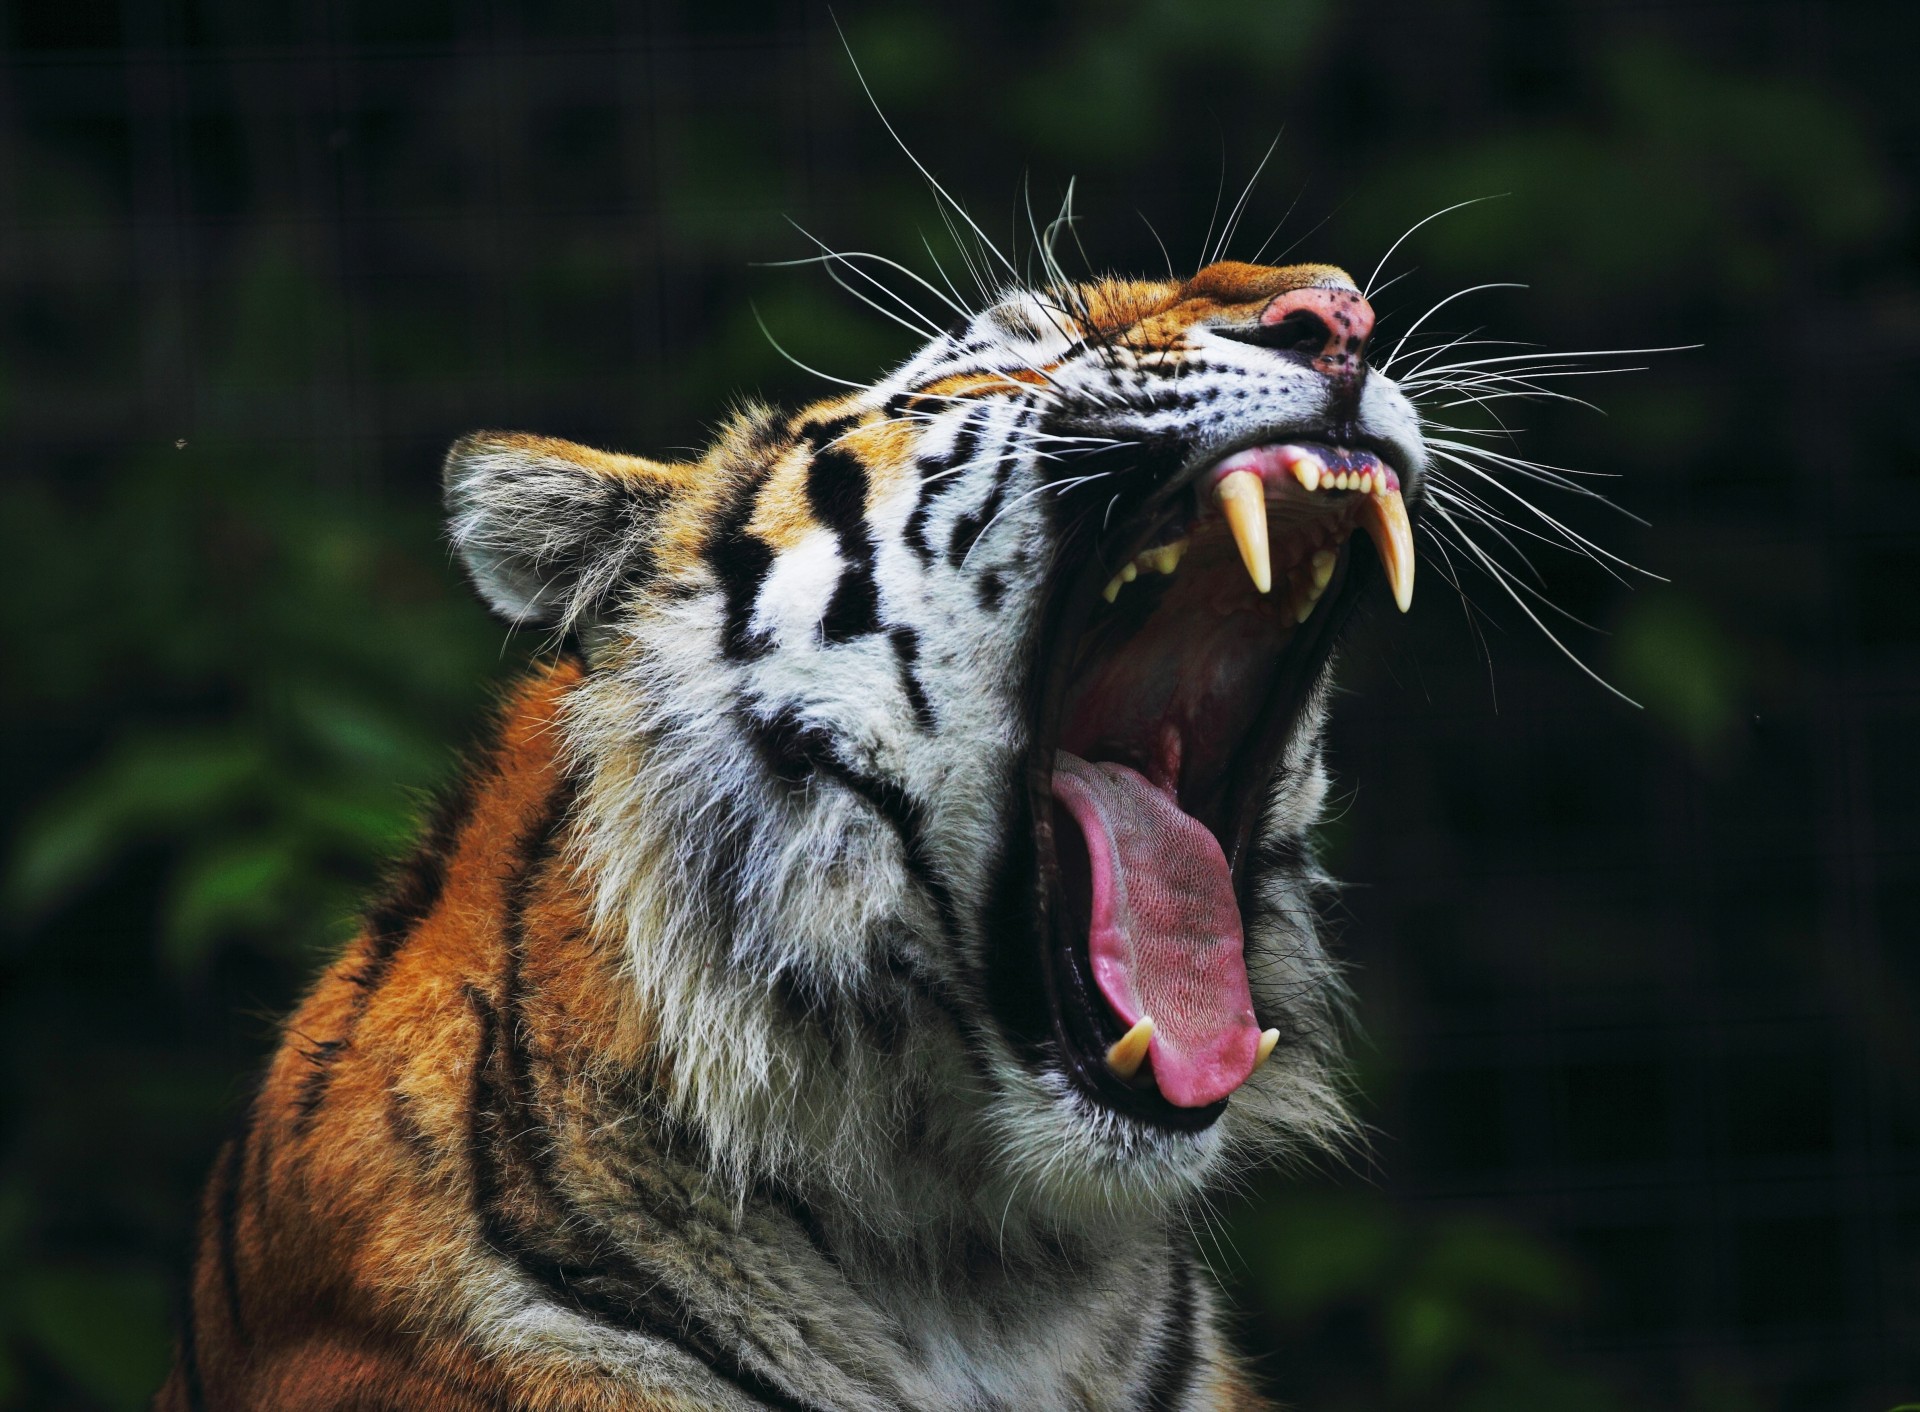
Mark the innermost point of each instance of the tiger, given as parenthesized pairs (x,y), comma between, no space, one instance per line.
(882,916)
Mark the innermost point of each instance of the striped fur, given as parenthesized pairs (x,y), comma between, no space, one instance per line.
(689,1063)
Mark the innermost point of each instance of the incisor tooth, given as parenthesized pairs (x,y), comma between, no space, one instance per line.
(1268,1039)
(1385,518)
(1307,471)
(1112,590)
(1129,1051)
(1243,500)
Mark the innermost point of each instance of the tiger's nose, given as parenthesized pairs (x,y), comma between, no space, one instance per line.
(1330,325)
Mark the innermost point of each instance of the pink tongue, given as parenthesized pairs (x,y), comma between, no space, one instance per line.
(1165,934)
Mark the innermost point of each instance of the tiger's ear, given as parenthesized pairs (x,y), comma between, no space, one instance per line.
(549,530)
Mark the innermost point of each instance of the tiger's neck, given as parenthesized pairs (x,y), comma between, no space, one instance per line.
(472,1146)
(598,1190)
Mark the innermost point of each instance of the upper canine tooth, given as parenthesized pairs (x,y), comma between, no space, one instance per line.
(1243,500)
(1129,1051)
(1385,518)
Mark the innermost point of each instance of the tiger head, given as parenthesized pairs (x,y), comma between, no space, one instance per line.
(946,752)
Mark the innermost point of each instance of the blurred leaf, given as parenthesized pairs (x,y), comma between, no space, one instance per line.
(230,887)
(145,782)
(908,57)
(1483,1261)
(1425,1335)
(1670,655)
(105,1328)
(1312,1252)
(1729,179)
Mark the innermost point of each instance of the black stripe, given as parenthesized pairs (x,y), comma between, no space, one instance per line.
(1016,983)
(406,1128)
(412,892)
(314,1083)
(821,435)
(782,1198)
(227,1221)
(794,750)
(794,753)
(937,477)
(741,559)
(190,1373)
(906,652)
(504,1129)
(970,526)
(1174,1359)
(837,493)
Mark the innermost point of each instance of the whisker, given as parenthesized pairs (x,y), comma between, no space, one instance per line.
(1459,294)
(1572,536)
(1445,210)
(1500,577)
(1240,206)
(920,167)
(1057,486)
(851,255)
(804,367)
(1157,241)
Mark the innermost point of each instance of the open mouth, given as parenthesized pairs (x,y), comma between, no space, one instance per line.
(1175,684)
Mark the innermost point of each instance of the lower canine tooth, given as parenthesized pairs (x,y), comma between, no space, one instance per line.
(1163,560)
(1243,500)
(1385,518)
(1323,561)
(1268,1039)
(1129,1051)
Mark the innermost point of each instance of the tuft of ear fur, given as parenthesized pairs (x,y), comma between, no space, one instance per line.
(549,531)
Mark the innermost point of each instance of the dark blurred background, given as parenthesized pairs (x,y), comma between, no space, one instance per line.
(1637,986)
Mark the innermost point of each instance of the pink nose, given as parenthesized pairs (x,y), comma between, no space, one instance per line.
(1332,325)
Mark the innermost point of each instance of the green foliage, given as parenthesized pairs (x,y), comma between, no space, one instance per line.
(1454,1312)
(306,651)
(1692,177)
